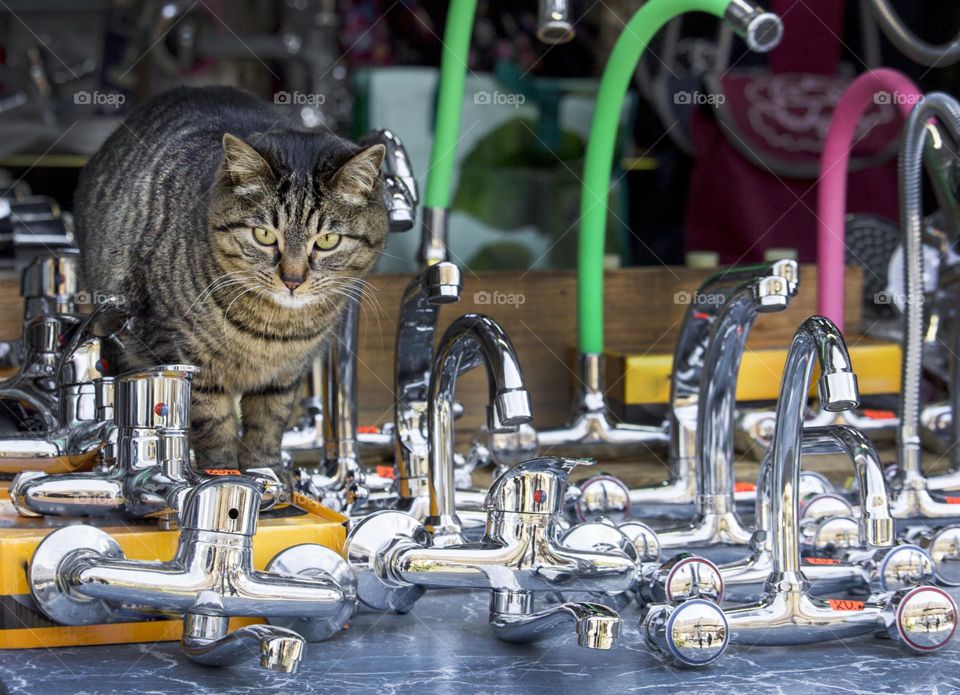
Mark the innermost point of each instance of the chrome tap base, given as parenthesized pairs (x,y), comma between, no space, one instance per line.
(312,560)
(57,601)
(363,548)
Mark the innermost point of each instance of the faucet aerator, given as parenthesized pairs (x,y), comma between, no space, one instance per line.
(598,633)
(839,391)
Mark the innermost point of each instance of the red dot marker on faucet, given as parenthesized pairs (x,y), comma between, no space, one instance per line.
(539,496)
(161,409)
(102,366)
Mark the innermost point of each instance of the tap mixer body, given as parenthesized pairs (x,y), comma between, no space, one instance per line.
(519,555)
(79,576)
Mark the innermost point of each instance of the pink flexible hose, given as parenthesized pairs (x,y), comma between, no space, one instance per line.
(832,193)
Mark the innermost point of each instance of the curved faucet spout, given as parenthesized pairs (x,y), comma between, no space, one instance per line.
(876,525)
(470,340)
(817,338)
(512,619)
(206,641)
(716,522)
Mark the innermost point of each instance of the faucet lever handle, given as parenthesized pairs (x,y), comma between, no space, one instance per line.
(535,486)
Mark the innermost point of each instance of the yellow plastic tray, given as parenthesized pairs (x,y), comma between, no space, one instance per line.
(644,379)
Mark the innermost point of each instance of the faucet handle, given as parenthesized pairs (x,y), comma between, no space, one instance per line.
(694,633)
(892,569)
(921,620)
(535,486)
(153,398)
(226,504)
(684,577)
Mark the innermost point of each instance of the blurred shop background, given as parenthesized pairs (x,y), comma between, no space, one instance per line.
(709,130)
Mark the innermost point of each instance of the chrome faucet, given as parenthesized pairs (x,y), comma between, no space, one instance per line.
(555,23)
(82,360)
(48,286)
(863,555)
(922,618)
(341,481)
(717,525)
(691,368)
(433,287)
(469,341)
(78,576)
(912,497)
(145,457)
(395,561)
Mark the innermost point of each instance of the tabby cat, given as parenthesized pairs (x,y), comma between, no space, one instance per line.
(235,240)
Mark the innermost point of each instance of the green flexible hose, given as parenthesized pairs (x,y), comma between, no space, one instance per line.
(453,75)
(600,150)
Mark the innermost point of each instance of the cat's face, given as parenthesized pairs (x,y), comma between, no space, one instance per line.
(293,230)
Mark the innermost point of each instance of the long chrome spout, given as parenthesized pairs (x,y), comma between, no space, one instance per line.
(438,284)
(513,619)
(689,364)
(470,340)
(876,525)
(717,523)
(816,339)
(206,641)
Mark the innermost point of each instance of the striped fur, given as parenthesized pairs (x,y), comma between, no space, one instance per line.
(165,212)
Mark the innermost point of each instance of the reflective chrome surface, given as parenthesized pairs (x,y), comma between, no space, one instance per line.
(395,561)
(693,633)
(716,523)
(469,341)
(78,576)
(555,23)
(413,363)
(591,431)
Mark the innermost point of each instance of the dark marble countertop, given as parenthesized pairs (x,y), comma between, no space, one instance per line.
(444,646)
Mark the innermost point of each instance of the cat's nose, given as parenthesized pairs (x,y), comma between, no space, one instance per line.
(292,281)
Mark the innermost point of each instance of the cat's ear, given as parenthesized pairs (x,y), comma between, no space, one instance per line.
(242,165)
(356,180)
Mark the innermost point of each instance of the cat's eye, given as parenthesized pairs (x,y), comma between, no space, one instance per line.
(328,242)
(264,236)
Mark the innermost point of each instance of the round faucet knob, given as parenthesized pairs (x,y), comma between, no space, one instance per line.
(944,548)
(682,578)
(834,535)
(922,619)
(601,496)
(901,567)
(695,633)
(365,548)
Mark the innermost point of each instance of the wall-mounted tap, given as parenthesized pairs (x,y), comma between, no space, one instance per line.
(690,369)
(469,341)
(717,525)
(395,561)
(912,497)
(78,576)
(145,470)
(922,619)
(858,557)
